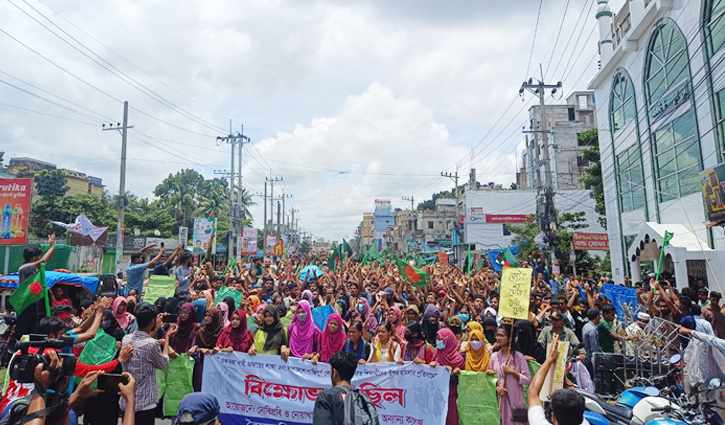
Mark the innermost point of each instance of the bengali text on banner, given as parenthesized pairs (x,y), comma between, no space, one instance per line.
(264,389)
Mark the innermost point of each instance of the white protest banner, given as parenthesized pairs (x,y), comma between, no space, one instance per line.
(264,389)
(555,378)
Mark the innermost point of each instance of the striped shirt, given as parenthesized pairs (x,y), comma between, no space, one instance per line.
(146,358)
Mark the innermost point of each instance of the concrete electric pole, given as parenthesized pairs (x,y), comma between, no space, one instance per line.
(122,188)
(232,138)
(412,201)
(546,211)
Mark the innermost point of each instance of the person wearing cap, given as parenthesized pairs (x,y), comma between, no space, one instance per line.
(634,330)
(198,409)
(713,314)
(565,334)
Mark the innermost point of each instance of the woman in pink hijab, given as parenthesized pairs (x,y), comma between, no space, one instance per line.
(304,337)
(125,319)
(446,354)
(226,317)
(333,338)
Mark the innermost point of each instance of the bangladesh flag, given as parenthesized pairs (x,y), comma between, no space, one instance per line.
(32,290)
(415,276)
(511,258)
(667,238)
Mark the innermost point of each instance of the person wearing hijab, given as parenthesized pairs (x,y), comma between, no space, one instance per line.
(416,350)
(489,330)
(476,353)
(125,319)
(395,317)
(513,373)
(224,308)
(255,302)
(332,338)
(236,336)
(229,301)
(356,343)
(455,324)
(185,335)
(526,342)
(430,323)
(160,304)
(307,296)
(446,354)
(271,337)
(110,325)
(206,338)
(369,320)
(304,337)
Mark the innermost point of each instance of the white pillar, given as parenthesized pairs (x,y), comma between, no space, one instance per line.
(636,272)
(604,21)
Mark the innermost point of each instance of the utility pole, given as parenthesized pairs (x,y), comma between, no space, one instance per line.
(411,199)
(457,245)
(264,228)
(283,207)
(546,211)
(122,188)
(232,138)
(271,200)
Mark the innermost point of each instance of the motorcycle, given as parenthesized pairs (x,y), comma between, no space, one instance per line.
(695,411)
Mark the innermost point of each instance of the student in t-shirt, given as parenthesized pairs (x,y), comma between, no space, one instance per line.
(136,268)
(33,257)
(330,404)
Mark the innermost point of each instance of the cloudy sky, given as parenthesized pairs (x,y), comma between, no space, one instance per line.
(347,101)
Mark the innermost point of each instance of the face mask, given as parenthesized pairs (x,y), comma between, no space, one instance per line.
(465,317)
(105,324)
(440,345)
(455,329)
(301,317)
(476,345)
(409,337)
(360,308)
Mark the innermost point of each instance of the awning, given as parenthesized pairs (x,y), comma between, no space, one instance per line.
(90,284)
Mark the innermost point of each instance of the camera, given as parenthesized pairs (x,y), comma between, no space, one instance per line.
(23,366)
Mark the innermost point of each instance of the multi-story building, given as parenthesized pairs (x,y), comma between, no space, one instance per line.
(368,230)
(76,181)
(382,219)
(565,123)
(662,81)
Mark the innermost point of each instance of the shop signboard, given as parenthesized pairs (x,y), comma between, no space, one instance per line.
(248,241)
(15,205)
(712,181)
(590,241)
(203,230)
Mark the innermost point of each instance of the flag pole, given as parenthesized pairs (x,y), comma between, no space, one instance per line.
(659,264)
(45,289)
(469,260)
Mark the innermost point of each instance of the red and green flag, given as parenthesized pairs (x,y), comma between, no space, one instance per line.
(415,276)
(665,241)
(30,291)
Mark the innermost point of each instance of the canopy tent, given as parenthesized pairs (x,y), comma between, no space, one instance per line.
(684,246)
(90,284)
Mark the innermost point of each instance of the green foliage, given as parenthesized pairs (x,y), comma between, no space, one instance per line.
(305,246)
(47,209)
(430,204)
(593,174)
(51,183)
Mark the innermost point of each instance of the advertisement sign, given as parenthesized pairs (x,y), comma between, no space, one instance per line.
(270,243)
(713,192)
(591,241)
(442,258)
(264,389)
(476,210)
(508,218)
(15,204)
(382,202)
(203,229)
(183,236)
(248,241)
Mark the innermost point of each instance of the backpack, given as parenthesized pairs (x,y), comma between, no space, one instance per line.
(359,410)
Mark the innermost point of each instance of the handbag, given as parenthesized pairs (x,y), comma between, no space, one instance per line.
(518,414)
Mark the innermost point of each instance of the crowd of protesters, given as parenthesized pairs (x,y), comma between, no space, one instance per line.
(379,316)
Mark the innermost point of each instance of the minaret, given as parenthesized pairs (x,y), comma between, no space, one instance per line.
(604,20)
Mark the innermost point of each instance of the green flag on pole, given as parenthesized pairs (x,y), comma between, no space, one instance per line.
(415,276)
(665,241)
(30,291)
(511,258)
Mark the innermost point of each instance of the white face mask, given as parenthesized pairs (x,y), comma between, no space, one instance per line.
(301,317)
(476,345)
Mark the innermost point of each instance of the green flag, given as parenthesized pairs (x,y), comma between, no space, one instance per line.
(511,258)
(415,276)
(667,238)
(159,286)
(372,253)
(665,241)
(30,291)
(224,292)
(477,401)
(347,249)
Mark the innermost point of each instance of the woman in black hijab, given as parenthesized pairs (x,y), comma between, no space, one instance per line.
(526,342)
(489,329)
(110,325)
(430,324)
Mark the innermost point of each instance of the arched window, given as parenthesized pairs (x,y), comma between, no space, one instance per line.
(622,105)
(714,24)
(668,91)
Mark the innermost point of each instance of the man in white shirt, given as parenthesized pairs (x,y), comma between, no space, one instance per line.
(567,406)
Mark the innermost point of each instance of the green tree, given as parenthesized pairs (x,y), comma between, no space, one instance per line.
(51,183)
(246,201)
(46,209)
(592,178)
(177,193)
(305,246)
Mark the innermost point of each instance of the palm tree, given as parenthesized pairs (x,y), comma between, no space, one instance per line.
(246,201)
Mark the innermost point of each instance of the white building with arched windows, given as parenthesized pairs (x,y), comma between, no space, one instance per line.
(661,118)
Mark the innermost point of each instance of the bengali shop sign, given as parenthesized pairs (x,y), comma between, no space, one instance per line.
(591,241)
(264,389)
(248,241)
(15,208)
(508,218)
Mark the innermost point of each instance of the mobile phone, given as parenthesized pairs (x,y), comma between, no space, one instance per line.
(170,318)
(162,244)
(110,381)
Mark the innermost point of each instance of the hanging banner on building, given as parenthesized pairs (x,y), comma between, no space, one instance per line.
(508,218)
(270,243)
(590,241)
(515,291)
(248,241)
(713,192)
(203,229)
(264,389)
(15,204)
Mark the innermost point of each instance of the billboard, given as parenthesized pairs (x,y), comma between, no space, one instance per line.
(15,204)
(247,243)
(591,241)
(203,229)
(508,218)
(270,243)
(712,181)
